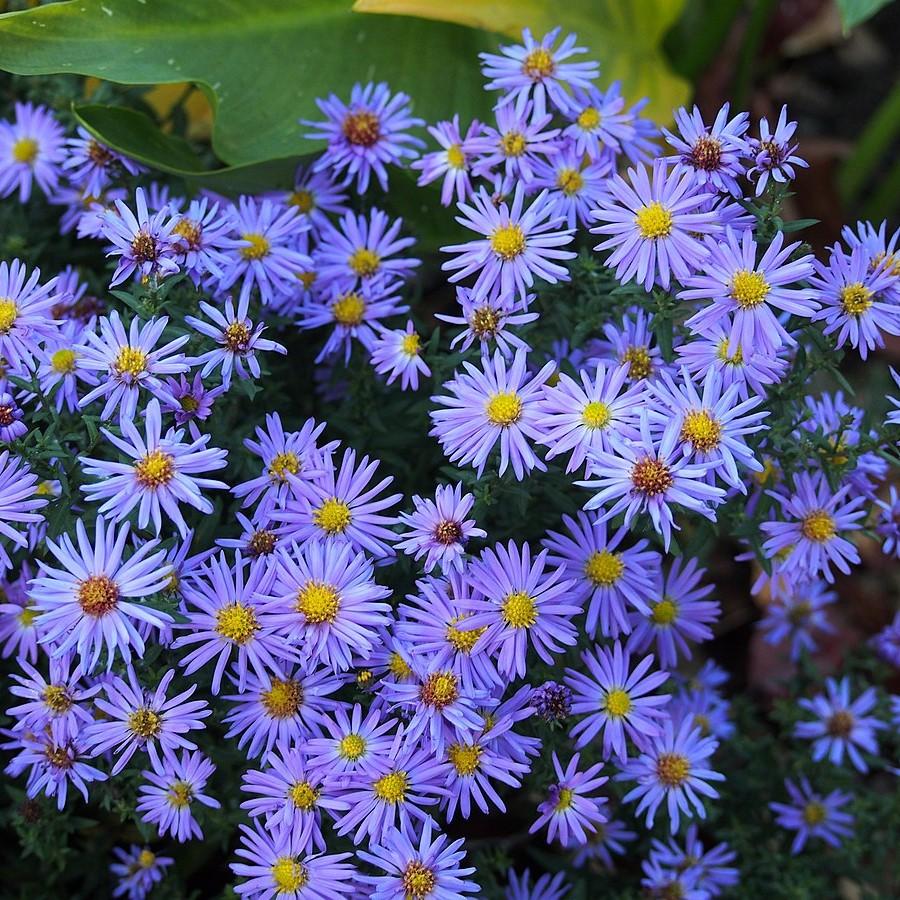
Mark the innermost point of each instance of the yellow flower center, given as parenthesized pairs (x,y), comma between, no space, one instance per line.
(706,153)
(237,337)
(391,788)
(282,465)
(418,881)
(303,200)
(258,246)
(349,309)
(818,526)
(398,666)
(364,262)
(799,612)
(189,403)
(28,615)
(456,159)
(564,798)
(283,699)
(463,641)
(190,231)
(569,181)
(144,247)
(814,813)
(410,345)
(640,365)
(319,602)
(145,723)
(603,568)
(8,313)
(508,242)
(736,359)
(439,690)
(749,289)
(617,702)
(98,595)
(237,622)
(513,143)
(333,516)
(465,758)
(485,322)
(519,610)
(651,477)
(855,299)
(146,858)
(289,875)
(672,768)
(653,221)
(180,794)
(665,612)
(589,118)
(25,150)
(362,128)
(155,470)
(503,409)
(538,64)
(840,724)
(57,698)
(262,543)
(129,363)
(303,795)
(702,430)
(352,747)
(63,361)
(596,415)
(6,415)
(59,757)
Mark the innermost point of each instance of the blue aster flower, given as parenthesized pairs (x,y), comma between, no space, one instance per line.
(19,502)
(799,617)
(397,353)
(453,162)
(813,815)
(26,313)
(773,154)
(32,148)
(138,869)
(93,166)
(599,126)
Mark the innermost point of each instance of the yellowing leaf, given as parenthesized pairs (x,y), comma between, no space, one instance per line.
(624,35)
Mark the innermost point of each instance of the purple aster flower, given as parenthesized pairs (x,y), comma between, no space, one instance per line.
(517,244)
(277,867)
(316,196)
(486,321)
(490,404)
(284,455)
(11,414)
(351,743)
(888,526)
(857,302)
(53,703)
(283,708)
(842,725)
(577,188)
(654,226)
(714,152)
(172,787)
(569,811)
(439,529)
(633,345)
(581,418)
(547,887)
(881,247)
(813,815)
(887,642)
(365,135)
(93,166)
(815,518)
(671,769)
(649,475)
(709,867)
(618,700)
(536,70)
(743,291)
(56,766)
(162,473)
(145,242)
(18,618)
(599,126)
(518,142)
(772,153)
(238,339)
(523,605)
(453,162)
(25,314)
(201,235)
(398,354)
(362,249)
(130,361)
(61,366)
(352,314)
(256,540)
(324,600)
(417,866)
(138,870)
(31,150)
(223,614)
(714,425)
(84,604)
(678,618)
(498,727)
(292,796)
(193,401)
(405,782)
(342,506)
(431,628)
(799,617)
(608,839)
(136,719)
(660,880)
(261,251)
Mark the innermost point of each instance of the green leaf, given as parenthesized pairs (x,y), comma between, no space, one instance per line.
(854,12)
(262,63)
(625,37)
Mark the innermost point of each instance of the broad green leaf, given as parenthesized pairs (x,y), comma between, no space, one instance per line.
(262,63)
(624,35)
(854,12)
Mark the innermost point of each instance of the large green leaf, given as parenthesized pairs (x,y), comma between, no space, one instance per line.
(625,35)
(262,62)
(854,12)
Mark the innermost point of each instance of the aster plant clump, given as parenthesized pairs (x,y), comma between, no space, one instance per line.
(411,598)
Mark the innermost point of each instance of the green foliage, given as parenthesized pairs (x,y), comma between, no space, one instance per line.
(855,12)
